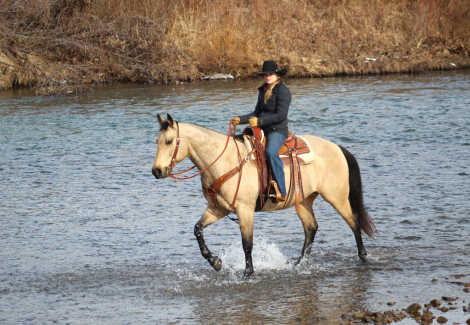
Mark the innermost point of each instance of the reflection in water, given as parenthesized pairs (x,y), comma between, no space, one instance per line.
(286,298)
(89,236)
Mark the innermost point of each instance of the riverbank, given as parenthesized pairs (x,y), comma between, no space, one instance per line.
(68,45)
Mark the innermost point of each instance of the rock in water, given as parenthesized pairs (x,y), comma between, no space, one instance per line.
(442,319)
(427,316)
(468,321)
(413,308)
(359,315)
(450,298)
(435,303)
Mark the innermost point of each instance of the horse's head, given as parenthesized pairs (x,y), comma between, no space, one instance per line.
(167,151)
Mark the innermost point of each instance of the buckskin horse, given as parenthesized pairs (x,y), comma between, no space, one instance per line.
(334,174)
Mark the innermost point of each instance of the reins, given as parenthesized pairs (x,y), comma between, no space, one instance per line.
(173,159)
(213,190)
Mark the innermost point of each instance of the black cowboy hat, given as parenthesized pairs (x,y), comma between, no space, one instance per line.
(271,67)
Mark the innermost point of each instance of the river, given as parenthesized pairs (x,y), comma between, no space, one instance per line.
(89,236)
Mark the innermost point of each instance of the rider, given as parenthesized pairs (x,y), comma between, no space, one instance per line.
(270,115)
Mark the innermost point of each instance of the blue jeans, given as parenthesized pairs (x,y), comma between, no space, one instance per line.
(274,143)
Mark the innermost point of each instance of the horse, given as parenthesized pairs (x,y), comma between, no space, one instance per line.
(334,174)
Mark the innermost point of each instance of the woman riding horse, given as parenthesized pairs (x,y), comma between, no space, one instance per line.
(270,115)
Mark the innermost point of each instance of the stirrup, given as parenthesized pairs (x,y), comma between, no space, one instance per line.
(273,192)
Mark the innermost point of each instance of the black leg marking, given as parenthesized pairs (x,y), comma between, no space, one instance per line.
(309,239)
(360,246)
(214,261)
(247,248)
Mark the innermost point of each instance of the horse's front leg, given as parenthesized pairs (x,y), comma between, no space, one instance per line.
(210,216)
(246,218)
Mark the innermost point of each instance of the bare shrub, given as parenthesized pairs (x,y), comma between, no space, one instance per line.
(84,42)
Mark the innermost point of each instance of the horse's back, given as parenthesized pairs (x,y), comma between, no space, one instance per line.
(329,169)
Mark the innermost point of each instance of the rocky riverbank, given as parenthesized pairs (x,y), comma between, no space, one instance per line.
(434,310)
(68,46)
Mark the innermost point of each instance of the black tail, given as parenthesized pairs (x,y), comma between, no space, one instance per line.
(363,219)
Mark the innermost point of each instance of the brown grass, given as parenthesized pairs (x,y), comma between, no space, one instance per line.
(60,46)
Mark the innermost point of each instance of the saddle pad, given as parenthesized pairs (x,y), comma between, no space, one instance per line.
(304,158)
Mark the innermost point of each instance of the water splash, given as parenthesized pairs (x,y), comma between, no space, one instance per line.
(266,257)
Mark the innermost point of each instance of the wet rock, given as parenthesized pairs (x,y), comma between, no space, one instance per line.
(450,298)
(367,319)
(456,282)
(467,285)
(390,313)
(359,315)
(442,319)
(427,316)
(390,303)
(434,280)
(413,308)
(468,321)
(381,318)
(435,303)
(444,309)
(369,313)
(466,290)
(399,315)
(347,315)
(453,308)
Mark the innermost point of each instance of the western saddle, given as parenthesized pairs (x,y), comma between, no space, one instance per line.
(289,153)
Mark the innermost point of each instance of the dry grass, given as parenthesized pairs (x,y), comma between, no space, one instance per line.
(62,46)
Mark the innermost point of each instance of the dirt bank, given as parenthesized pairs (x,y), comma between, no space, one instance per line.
(60,46)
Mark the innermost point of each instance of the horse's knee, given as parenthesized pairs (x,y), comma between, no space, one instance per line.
(197,230)
(311,230)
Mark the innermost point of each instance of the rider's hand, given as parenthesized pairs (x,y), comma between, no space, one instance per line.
(253,121)
(235,121)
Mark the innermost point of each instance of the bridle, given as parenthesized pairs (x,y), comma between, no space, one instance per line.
(175,153)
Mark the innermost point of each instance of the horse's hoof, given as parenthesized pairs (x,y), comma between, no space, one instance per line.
(299,260)
(216,263)
(248,274)
(363,257)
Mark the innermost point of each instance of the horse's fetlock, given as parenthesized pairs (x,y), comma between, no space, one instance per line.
(216,263)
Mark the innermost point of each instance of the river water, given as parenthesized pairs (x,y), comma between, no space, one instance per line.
(89,236)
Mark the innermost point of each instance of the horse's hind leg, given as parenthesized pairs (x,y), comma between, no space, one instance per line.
(344,209)
(309,223)
(210,216)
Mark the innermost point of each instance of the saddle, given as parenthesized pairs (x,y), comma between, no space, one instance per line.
(294,152)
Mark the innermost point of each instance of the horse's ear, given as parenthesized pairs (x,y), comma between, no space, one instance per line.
(170,120)
(161,120)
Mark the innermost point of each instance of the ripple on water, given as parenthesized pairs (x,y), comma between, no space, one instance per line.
(89,236)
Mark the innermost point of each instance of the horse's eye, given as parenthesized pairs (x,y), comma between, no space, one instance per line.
(169,142)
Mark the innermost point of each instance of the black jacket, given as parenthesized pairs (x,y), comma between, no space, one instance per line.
(272,116)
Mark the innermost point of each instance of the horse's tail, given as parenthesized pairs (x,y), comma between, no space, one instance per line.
(363,219)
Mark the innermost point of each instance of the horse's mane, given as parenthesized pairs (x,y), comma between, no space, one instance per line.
(166,124)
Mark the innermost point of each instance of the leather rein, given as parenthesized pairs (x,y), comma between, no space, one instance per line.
(214,189)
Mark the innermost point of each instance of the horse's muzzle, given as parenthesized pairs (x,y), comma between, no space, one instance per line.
(159,173)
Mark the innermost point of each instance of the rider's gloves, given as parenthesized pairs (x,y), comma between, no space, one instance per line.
(235,121)
(253,121)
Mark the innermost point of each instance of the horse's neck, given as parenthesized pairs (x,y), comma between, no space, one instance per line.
(204,146)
